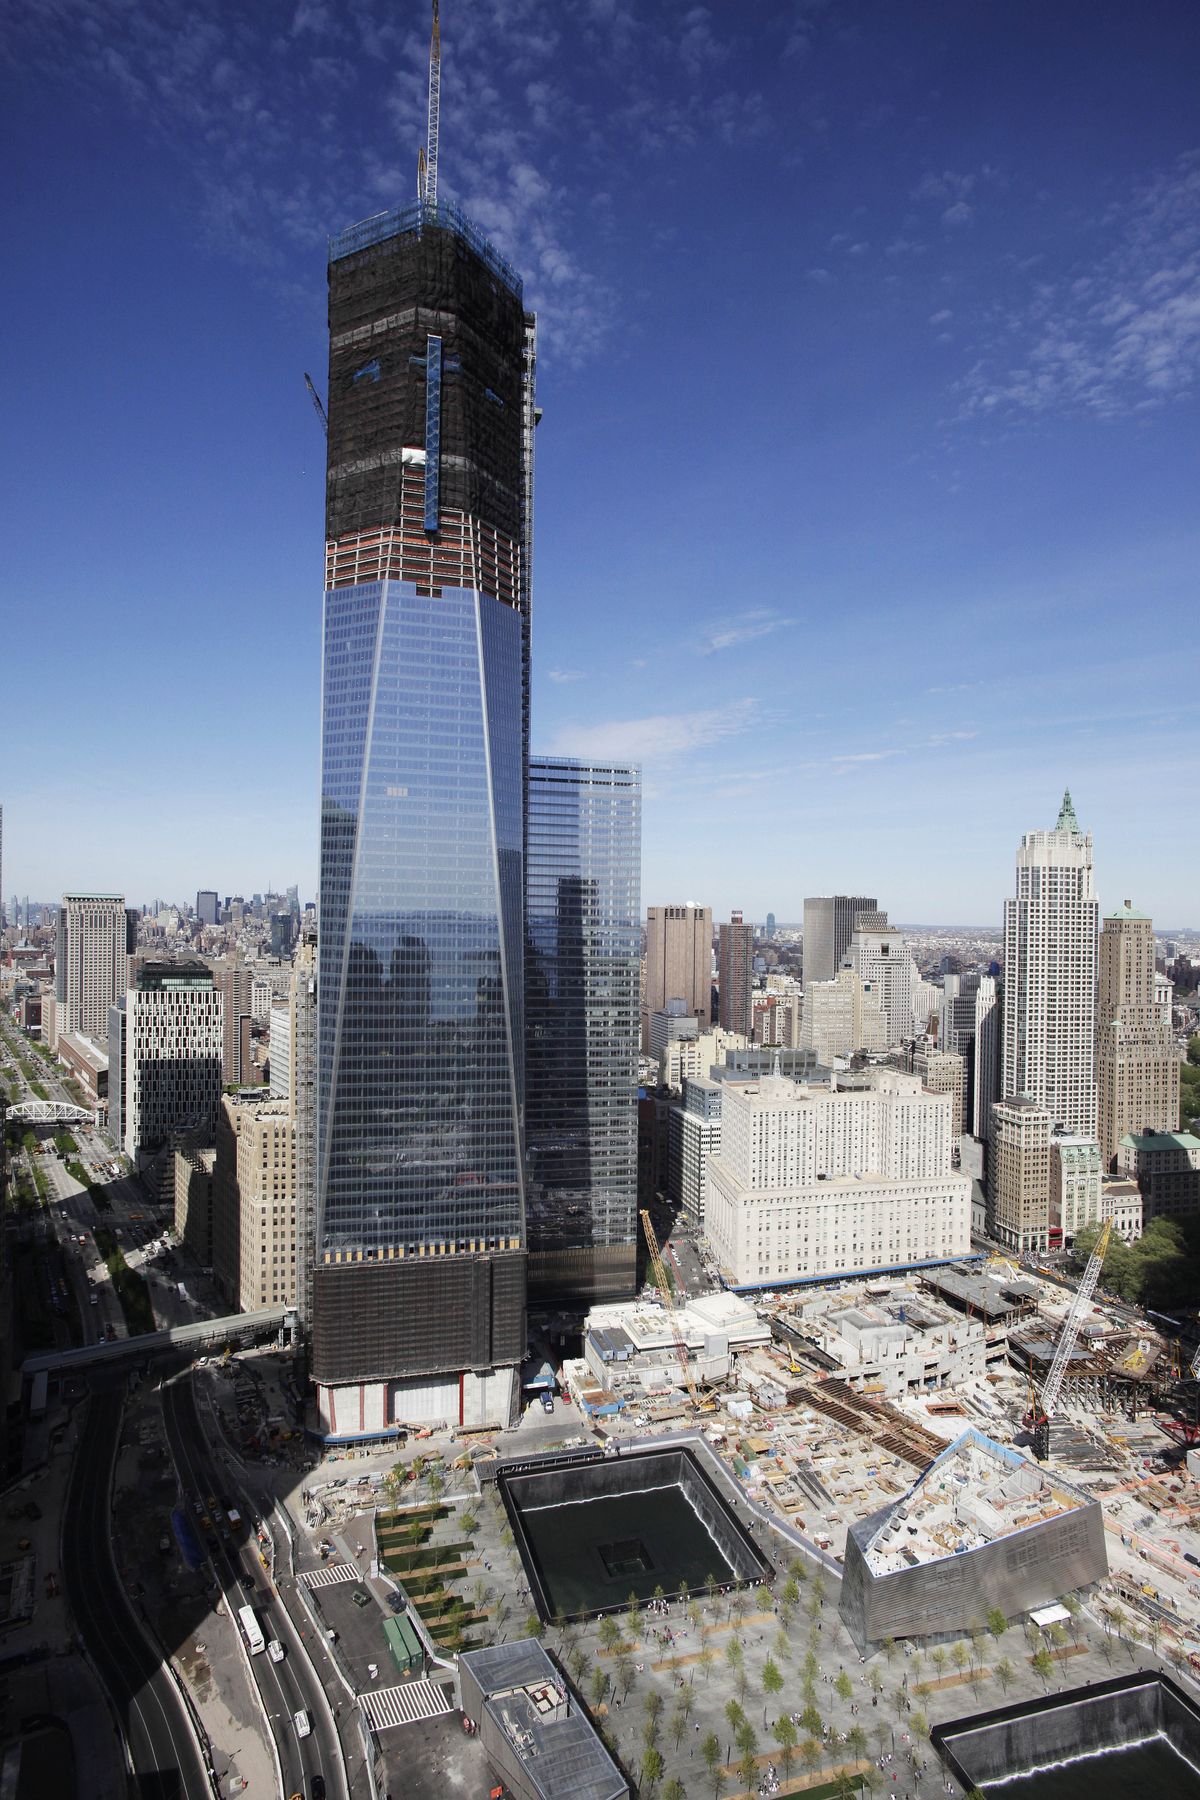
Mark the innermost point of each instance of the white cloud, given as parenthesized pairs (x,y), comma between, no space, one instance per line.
(658,738)
(1114,337)
(563,675)
(758,622)
(959,214)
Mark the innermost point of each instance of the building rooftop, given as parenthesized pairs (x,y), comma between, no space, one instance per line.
(560,1754)
(973,1494)
(1161,1140)
(1125,911)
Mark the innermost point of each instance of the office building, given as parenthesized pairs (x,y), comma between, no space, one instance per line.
(583,939)
(1137,1066)
(828,927)
(283,934)
(985,1055)
(690,1059)
(735,976)
(1166,1167)
(208,908)
(236,986)
(1075,1185)
(96,937)
(879,957)
(841,1017)
(693,1136)
(419,1284)
(1018,1174)
(813,1182)
(302,1004)
(944,1072)
(678,962)
(254,1203)
(195,1168)
(173,1035)
(673,1025)
(280,1051)
(115,1039)
(1048,1034)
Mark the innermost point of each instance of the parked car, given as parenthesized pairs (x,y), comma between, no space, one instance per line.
(275,1650)
(302,1722)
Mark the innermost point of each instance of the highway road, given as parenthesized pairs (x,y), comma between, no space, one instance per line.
(286,1687)
(166,1760)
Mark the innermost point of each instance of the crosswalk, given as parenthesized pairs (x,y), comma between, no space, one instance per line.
(404,1705)
(328,1574)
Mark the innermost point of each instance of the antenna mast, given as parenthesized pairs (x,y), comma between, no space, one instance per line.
(435,104)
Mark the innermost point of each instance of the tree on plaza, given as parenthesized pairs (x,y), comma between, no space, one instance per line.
(734,1714)
(746,1738)
(710,1750)
(810,1753)
(789,1594)
(610,1632)
(856,1742)
(733,1653)
(679,1719)
(1072,1606)
(899,1700)
(811,1720)
(597,1686)
(1042,1665)
(919,1725)
(875,1679)
(652,1768)
(747,1770)
(889,1647)
(772,1680)
(960,1656)
(843,1686)
(533,1626)
(939,1658)
(785,1737)
(811,1666)
(674,1790)
(706,1659)
(653,1704)
(625,1672)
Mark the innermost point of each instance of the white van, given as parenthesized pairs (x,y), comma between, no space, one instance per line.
(275,1650)
(302,1722)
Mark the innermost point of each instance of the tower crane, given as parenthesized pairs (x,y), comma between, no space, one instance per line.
(316,400)
(428,170)
(664,1288)
(1037,1419)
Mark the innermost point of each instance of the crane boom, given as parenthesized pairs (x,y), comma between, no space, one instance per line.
(664,1288)
(1047,1400)
(316,400)
(435,107)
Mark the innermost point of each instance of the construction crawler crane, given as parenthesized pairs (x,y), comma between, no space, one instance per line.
(1041,1406)
(664,1288)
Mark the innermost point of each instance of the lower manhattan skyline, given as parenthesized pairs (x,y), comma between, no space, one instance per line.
(541,535)
(966,386)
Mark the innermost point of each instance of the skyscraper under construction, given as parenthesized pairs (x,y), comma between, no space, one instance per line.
(419,1280)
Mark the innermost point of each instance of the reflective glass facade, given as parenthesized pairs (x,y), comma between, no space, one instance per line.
(419,1178)
(583,942)
(419,1053)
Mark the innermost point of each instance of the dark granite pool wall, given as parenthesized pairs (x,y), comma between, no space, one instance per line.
(994,1745)
(588,1477)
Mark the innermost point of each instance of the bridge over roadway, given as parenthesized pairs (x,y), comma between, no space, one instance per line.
(272,1320)
(48,1112)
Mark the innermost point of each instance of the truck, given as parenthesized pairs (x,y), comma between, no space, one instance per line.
(252,1629)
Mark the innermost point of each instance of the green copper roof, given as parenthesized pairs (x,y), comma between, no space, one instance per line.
(1066,814)
(1125,911)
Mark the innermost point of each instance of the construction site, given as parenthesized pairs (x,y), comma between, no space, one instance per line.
(825,1405)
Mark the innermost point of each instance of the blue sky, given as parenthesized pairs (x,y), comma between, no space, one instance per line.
(866,488)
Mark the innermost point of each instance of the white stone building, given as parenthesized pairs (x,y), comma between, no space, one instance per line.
(879,957)
(1075,1182)
(815,1181)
